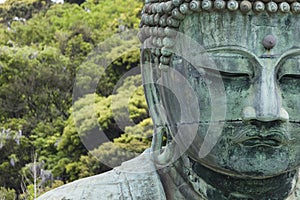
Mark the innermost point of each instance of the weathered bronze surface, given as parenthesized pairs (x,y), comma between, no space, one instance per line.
(222,81)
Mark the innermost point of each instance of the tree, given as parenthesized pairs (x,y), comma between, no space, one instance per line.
(13,157)
(7,194)
(43,46)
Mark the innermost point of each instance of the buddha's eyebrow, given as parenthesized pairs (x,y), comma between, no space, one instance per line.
(234,49)
(252,56)
(288,54)
(225,49)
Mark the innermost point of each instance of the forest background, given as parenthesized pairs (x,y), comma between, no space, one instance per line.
(68,72)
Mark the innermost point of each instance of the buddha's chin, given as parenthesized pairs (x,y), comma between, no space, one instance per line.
(257,162)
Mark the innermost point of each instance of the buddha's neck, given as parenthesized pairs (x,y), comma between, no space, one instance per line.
(221,187)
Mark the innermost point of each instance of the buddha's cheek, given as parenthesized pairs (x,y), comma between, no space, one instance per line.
(290,90)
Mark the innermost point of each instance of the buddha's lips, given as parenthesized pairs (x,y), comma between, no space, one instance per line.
(261,141)
(270,139)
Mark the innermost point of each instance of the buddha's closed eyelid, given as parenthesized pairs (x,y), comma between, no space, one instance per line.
(229,65)
(289,68)
(232,59)
(288,65)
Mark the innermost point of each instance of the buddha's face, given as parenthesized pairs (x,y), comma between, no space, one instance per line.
(257,104)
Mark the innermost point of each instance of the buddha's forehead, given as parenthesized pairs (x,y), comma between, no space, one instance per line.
(248,31)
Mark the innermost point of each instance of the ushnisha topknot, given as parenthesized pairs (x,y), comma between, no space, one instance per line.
(161,19)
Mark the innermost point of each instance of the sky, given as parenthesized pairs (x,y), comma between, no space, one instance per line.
(2,1)
(55,1)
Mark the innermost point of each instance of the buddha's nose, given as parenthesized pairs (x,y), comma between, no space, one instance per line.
(267,100)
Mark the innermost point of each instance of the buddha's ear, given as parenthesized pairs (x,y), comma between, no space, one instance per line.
(155,106)
(164,153)
(151,76)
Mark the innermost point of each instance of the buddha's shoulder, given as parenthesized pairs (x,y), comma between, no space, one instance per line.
(134,179)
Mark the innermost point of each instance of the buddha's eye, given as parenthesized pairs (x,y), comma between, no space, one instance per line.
(289,83)
(230,66)
(289,69)
(233,75)
(291,76)
(227,75)
(233,81)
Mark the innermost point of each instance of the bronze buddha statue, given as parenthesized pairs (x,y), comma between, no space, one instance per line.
(222,82)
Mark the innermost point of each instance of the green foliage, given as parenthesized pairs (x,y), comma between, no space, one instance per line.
(15,152)
(43,47)
(130,100)
(95,116)
(7,194)
(133,142)
(29,195)
(55,184)
(22,8)
(45,137)
(35,83)
(90,165)
(108,62)
(69,149)
(136,138)
(110,155)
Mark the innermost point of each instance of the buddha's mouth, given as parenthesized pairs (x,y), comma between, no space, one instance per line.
(269,141)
